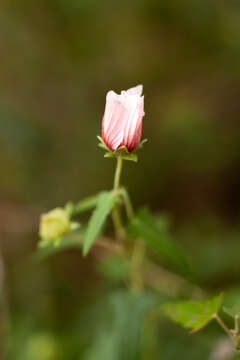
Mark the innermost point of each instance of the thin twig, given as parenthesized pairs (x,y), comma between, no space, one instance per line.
(154,275)
(225,328)
(162,279)
(127,203)
(236,319)
(137,262)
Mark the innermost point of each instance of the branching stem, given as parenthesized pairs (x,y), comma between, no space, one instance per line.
(225,328)
(127,203)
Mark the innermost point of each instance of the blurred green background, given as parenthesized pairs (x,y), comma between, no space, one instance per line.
(58,59)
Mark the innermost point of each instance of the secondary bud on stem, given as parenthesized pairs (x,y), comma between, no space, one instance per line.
(123,119)
(55,224)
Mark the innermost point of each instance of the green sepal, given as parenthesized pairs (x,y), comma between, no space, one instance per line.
(121,151)
(128,156)
(110,155)
(102,143)
(104,147)
(131,157)
(140,146)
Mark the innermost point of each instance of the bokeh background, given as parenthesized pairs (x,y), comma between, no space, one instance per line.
(58,59)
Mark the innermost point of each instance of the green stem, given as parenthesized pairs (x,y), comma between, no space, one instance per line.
(128,204)
(236,319)
(138,253)
(118,173)
(137,260)
(225,328)
(116,211)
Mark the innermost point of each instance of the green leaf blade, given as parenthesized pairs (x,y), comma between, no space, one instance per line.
(231,305)
(106,202)
(233,310)
(115,268)
(193,315)
(116,337)
(156,236)
(85,205)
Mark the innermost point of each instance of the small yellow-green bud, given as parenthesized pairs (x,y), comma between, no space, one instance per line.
(42,347)
(54,225)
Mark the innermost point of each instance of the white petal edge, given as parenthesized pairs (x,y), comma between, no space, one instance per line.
(137,90)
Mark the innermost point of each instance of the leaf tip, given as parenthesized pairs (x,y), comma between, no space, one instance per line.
(85,249)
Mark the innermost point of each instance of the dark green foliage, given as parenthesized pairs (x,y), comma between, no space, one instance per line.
(153,230)
(119,336)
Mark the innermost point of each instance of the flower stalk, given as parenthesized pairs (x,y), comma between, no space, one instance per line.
(119,230)
(127,203)
(122,128)
(138,253)
(118,174)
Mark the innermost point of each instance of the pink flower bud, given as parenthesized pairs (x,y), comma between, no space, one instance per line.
(123,118)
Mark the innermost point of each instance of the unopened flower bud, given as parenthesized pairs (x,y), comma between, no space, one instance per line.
(123,119)
(54,225)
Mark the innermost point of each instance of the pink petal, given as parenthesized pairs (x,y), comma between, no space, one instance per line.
(122,120)
(137,90)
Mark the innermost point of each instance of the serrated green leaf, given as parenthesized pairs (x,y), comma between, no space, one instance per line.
(72,240)
(193,314)
(106,202)
(156,236)
(85,205)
